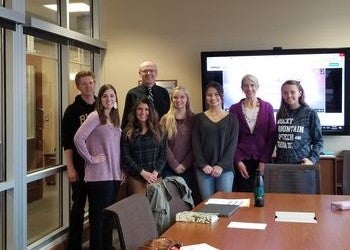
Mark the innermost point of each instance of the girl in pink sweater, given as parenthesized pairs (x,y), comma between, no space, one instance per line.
(98,142)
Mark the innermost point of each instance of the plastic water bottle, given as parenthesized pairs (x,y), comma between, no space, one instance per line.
(259,189)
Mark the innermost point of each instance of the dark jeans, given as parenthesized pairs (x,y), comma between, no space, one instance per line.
(246,185)
(101,194)
(76,215)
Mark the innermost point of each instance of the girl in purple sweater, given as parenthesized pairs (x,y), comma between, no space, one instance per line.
(98,142)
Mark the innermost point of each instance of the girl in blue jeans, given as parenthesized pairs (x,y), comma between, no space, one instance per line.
(214,141)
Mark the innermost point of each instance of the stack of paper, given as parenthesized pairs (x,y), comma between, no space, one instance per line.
(237,202)
(247,225)
(303,217)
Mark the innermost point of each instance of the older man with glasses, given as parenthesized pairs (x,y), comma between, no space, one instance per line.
(158,95)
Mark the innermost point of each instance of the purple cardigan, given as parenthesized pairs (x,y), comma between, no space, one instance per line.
(258,145)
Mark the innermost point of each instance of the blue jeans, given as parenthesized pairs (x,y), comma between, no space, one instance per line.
(209,185)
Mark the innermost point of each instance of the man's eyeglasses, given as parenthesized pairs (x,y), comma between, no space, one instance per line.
(146,71)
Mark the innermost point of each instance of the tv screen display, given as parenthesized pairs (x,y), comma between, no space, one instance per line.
(323,73)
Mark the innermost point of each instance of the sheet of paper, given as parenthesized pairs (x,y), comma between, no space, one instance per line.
(240,202)
(247,225)
(303,217)
(202,246)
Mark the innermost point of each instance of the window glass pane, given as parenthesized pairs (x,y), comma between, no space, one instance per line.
(80,18)
(44,210)
(2,221)
(44,10)
(42,127)
(2,111)
(2,147)
(79,59)
(42,107)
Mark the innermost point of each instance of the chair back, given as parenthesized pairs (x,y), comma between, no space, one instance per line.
(292,178)
(346,172)
(176,203)
(134,220)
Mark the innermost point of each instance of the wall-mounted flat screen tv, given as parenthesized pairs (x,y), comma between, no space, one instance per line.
(323,73)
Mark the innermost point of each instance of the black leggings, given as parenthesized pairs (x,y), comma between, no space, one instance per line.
(246,185)
(101,194)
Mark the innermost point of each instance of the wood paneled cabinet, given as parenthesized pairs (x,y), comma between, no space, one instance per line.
(327,168)
(331,174)
(338,175)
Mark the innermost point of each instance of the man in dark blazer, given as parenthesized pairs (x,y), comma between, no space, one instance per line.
(148,88)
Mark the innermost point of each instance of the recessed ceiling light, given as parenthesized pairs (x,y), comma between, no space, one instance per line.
(72,7)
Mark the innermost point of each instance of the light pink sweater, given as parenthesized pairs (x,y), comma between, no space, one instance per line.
(93,138)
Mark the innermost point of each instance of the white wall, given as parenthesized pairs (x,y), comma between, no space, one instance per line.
(173,33)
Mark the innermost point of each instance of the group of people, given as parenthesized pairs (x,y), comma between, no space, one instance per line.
(160,135)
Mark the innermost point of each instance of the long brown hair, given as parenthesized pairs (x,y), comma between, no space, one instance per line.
(284,107)
(134,127)
(114,114)
(218,88)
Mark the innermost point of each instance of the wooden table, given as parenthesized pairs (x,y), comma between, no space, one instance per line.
(332,230)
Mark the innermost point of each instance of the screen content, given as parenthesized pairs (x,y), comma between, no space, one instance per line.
(321,75)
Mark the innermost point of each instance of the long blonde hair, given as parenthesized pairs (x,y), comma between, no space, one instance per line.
(168,121)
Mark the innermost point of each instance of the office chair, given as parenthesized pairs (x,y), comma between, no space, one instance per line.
(177,204)
(167,197)
(346,172)
(292,178)
(134,221)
